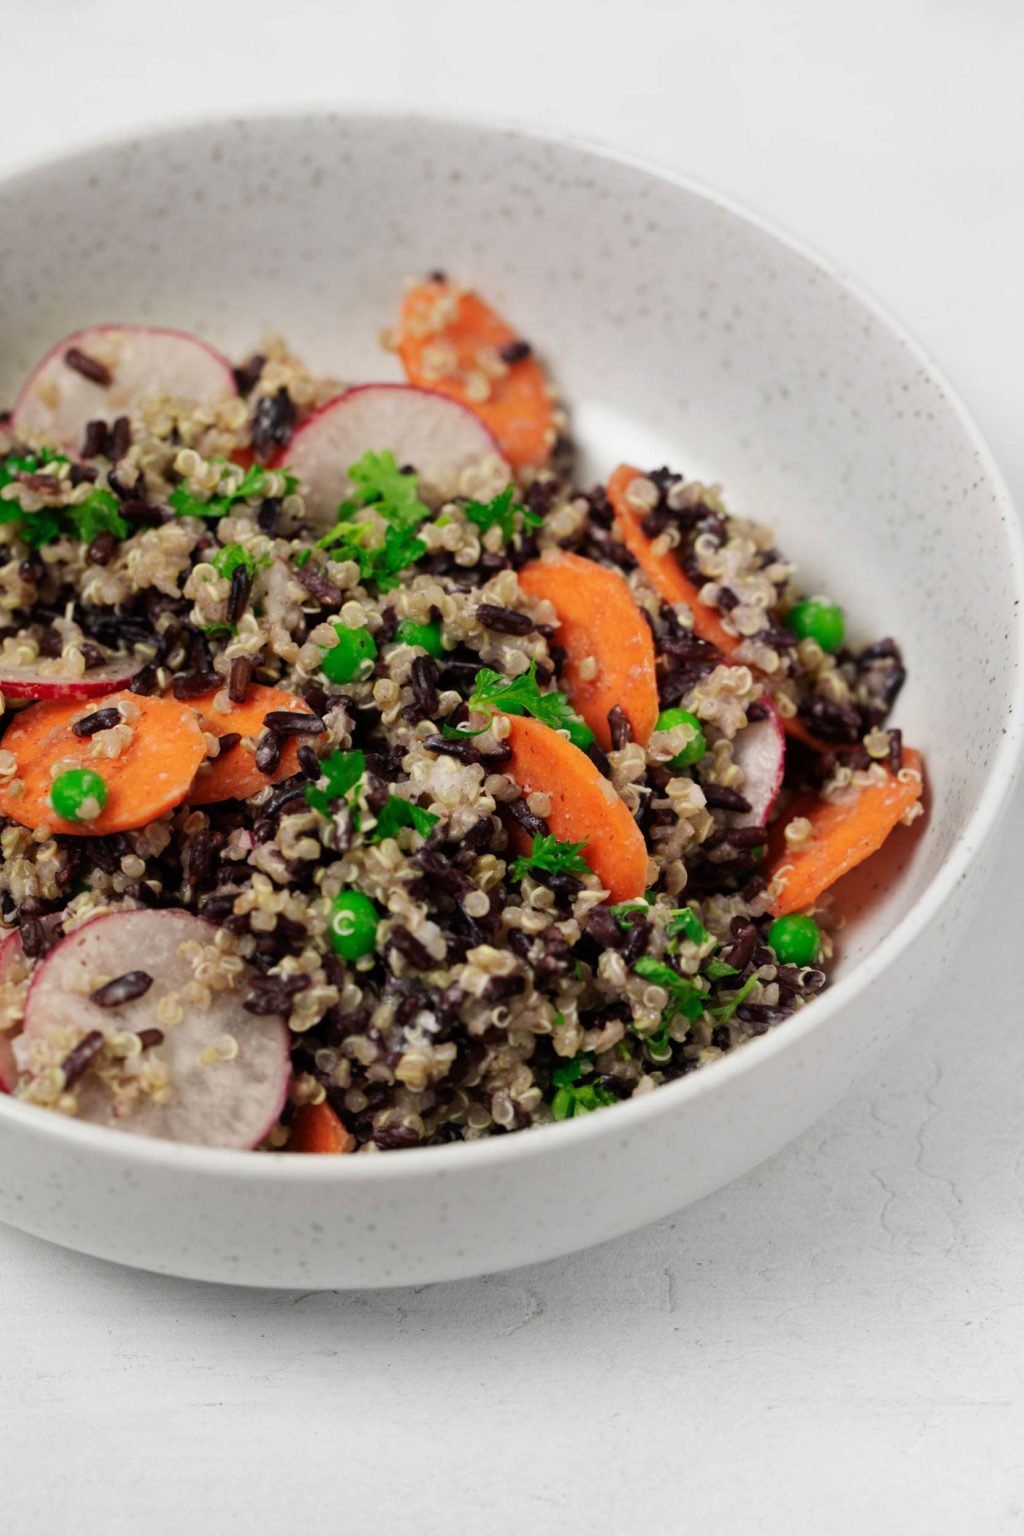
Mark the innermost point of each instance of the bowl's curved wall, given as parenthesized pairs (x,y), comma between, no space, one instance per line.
(678,328)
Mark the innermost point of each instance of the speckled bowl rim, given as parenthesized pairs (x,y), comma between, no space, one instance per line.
(431,1162)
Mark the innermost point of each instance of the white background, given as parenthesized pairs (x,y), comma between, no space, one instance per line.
(833,1345)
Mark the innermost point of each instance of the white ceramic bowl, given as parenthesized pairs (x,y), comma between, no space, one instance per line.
(681,330)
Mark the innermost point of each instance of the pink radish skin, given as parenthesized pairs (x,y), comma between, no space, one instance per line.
(760,750)
(32,683)
(11,954)
(56,401)
(228,1104)
(436,435)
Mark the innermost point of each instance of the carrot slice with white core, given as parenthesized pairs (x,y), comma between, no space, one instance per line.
(149,776)
(609,647)
(235,776)
(843,833)
(33,682)
(584,806)
(662,569)
(61,396)
(227,1070)
(760,750)
(437,436)
(316,1128)
(452,341)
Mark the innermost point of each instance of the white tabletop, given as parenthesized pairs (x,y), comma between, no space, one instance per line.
(833,1344)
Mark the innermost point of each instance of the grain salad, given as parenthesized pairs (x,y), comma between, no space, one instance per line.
(367,782)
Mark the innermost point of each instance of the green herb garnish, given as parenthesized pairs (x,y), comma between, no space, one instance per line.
(456,732)
(500,513)
(254,485)
(383,565)
(716,969)
(493,693)
(555,857)
(230,557)
(723,1014)
(397,813)
(390,491)
(684,996)
(573,1097)
(343,772)
(687,923)
(98,512)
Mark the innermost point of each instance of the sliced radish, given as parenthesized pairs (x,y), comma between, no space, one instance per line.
(57,399)
(760,750)
(11,971)
(436,435)
(32,682)
(229,1103)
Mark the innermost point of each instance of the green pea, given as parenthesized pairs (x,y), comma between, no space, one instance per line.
(353,925)
(815,619)
(427,636)
(795,939)
(70,791)
(580,734)
(345,661)
(695,749)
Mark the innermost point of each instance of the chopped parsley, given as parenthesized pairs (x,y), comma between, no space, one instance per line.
(98,512)
(493,693)
(390,491)
(500,513)
(253,486)
(685,996)
(231,557)
(687,923)
(573,1097)
(397,813)
(383,565)
(716,969)
(723,1014)
(625,913)
(555,857)
(344,774)
(459,733)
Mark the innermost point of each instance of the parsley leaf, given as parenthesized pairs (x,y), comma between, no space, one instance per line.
(716,969)
(520,696)
(398,813)
(556,858)
(382,565)
(687,923)
(684,996)
(573,1097)
(625,913)
(98,512)
(343,772)
(390,491)
(500,513)
(723,1014)
(456,733)
(230,557)
(253,485)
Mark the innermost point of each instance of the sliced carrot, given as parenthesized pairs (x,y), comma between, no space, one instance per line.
(663,571)
(151,775)
(451,341)
(235,776)
(842,835)
(584,806)
(599,623)
(316,1128)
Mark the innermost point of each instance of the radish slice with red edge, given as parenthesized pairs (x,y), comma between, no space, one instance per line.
(437,436)
(12,971)
(59,397)
(760,750)
(213,1101)
(32,682)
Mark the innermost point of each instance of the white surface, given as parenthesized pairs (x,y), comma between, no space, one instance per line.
(834,1343)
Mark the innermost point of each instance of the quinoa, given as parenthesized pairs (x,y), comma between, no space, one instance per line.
(494,998)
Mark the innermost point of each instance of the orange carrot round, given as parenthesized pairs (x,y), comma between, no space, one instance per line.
(584,806)
(842,835)
(663,571)
(235,776)
(150,775)
(600,626)
(452,341)
(316,1128)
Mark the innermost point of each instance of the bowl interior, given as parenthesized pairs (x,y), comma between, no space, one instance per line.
(679,331)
